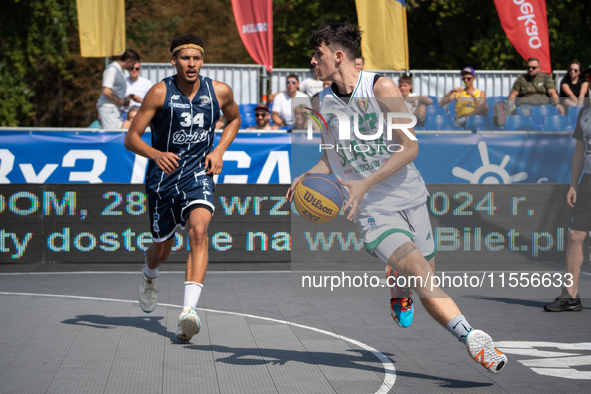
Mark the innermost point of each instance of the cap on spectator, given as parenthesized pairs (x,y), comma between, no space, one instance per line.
(587,71)
(468,70)
(261,107)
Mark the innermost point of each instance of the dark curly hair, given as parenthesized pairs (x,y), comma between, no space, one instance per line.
(187,39)
(344,37)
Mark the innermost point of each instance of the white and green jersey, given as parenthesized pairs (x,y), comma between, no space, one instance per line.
(357,159)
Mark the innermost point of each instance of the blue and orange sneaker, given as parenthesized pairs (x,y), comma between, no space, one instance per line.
(401,307)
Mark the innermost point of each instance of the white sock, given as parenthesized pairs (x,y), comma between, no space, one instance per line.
(459,327)
(192,293)
(150,273)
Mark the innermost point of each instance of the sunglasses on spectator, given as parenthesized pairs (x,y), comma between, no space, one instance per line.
(467,78)
(292,82)
(260,114)
(137,68)
(574,69)
(532,67)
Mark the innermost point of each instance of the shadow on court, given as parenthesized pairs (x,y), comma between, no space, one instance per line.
(148,323)
(354,358)
(444,382)
(517,301)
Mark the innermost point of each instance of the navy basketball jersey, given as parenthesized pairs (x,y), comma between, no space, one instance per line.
(185,127)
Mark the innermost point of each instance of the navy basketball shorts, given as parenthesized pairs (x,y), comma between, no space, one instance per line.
(167,214)
(581,219)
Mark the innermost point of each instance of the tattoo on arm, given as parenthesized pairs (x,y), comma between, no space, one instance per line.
(403,251)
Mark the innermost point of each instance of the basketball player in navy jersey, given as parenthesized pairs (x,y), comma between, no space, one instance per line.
(182,111)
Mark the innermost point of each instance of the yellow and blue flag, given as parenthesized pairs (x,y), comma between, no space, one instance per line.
(384,43)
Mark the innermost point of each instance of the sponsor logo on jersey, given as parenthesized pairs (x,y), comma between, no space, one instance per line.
(367,166)
(175,97)
(372,224)
(363,104)
(182,137)
(179,105)
(205,100)
(206,183)
(155,225)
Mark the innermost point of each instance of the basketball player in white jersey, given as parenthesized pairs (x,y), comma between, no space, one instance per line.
(384,192)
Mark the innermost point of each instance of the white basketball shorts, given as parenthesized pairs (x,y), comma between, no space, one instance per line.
(383,234)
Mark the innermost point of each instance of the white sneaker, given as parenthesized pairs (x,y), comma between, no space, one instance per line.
(482,350)
(188,324)
(147,294)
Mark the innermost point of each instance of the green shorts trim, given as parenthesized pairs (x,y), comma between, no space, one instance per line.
(430,256)
(374,244)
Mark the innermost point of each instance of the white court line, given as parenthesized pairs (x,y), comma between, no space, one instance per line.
(136,272)
(244,272)
(389,369)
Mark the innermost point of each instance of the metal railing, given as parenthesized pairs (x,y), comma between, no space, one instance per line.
(243,78)
(247,80)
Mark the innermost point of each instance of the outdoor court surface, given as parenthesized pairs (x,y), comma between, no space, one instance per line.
(66,330)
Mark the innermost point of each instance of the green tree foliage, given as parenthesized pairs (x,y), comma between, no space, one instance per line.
(34,37)
(451,34)
(295,20)
(442,34)
(151,25)
(45,82)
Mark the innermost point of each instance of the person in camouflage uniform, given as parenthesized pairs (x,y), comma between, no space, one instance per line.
(534,88)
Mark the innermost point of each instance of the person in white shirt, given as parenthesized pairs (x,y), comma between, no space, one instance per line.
(417,105)
(312,86)
(113,97)
(137,86)
(282,103)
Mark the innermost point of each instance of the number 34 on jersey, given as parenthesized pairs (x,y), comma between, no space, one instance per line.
(197,119)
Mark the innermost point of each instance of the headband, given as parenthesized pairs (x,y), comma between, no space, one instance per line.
(188,46)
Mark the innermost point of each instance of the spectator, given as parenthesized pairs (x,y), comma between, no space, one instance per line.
(573,86)
(137,86)
(470,101)
(263,118)
(282,102)
(301,120)
(359,63)
(325,84)
(130,115)
(96,124)
(417,105)
(311,86)
(114,87)
(534,86)
(578,198)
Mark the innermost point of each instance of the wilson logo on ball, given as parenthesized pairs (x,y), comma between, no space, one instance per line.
(316,203)
(318,198)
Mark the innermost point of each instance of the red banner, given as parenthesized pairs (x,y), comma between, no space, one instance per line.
(254,19)
(526,26)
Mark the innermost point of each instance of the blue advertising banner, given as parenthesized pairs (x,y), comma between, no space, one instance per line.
(272,158)
(91,157)
(474,158)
